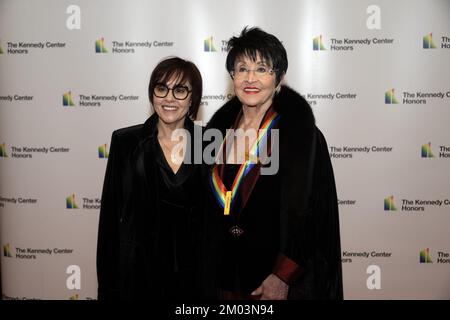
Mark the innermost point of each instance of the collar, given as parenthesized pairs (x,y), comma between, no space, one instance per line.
(150,128)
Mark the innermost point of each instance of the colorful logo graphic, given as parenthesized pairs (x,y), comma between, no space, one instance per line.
(389,204)
(7,251)
(318,44)
(74,297)
(209,45)
(426,151)
(102,152)
(100,46)
(3,150)
(428,42)
(70,202)
(425,256)
(67,99)
(389,97)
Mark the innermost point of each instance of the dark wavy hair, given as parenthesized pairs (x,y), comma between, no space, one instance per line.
(254,41)
(183,71)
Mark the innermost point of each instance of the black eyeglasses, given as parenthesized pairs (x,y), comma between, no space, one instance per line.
(179,92)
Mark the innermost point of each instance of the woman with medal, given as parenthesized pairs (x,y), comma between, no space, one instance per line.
(272,234)
(151,201)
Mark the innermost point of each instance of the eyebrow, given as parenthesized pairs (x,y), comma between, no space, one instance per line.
(258,62)
(175,83)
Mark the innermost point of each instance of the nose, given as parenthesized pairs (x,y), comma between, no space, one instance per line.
(251,76)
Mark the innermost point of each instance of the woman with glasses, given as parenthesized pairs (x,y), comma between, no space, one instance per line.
(150,207)
(273,234)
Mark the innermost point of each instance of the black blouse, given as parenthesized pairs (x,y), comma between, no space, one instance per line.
(248,259)
(176,239)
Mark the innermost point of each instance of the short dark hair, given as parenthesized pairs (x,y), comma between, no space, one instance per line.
(183,71)
(253,41)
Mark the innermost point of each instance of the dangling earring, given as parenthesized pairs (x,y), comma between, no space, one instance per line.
(278,90)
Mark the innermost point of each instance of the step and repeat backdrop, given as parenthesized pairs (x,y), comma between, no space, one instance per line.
(376,73)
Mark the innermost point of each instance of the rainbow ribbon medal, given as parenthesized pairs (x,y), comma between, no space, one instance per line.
(225,197)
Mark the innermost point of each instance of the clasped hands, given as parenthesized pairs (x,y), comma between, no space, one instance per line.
(272,288)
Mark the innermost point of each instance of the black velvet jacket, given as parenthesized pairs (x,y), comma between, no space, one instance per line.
(309,218)
(139,231)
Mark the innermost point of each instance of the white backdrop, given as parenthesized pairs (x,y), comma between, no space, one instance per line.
(386,155)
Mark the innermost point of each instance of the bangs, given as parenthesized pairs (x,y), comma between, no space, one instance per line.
(177,75)
(253,54)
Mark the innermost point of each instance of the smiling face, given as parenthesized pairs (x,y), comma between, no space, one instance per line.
(172,111)
(253,88)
